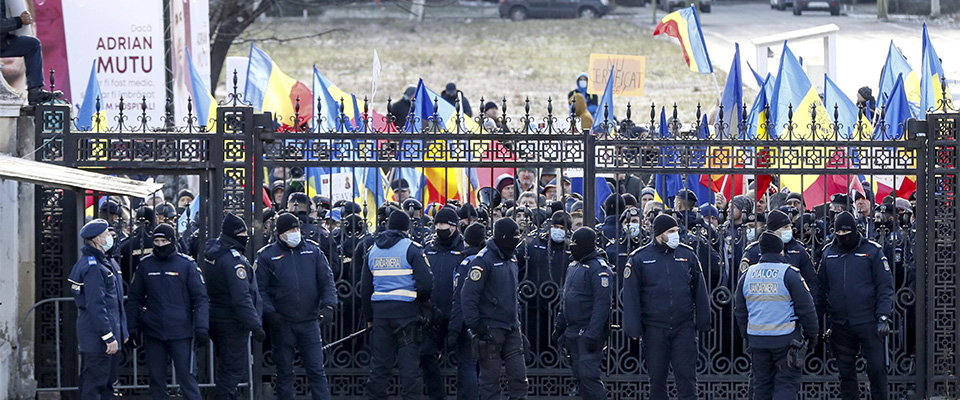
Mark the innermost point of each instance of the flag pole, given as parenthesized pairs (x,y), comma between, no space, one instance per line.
(716,85)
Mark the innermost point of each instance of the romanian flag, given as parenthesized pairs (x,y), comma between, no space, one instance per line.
(684,24)
(92,116)
(895,66)
(204,104)
(269,89)
(793,88)
(847,113)
(899,185)
(931,72)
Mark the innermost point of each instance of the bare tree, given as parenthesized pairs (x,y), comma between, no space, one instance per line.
(228,19)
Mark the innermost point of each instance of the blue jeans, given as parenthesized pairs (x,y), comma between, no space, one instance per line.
(303,336)
(29,48)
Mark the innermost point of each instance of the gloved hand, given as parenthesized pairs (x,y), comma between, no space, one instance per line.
(556,334)
(811,341)
(452,338)
(480,332)
(136,340)
(201,337)
(259,334)
(591,345)
(883,327)
(326,315)
(273,319)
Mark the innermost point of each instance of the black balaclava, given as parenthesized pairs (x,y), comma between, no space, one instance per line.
(167,232)
(234,226)
(583,243)
(506,235)
(846,222)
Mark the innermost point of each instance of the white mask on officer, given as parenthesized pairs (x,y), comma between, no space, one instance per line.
(108,243)
(293,239)
(634,230)
(751,234)
(557,235)
(786,235)
(673,240)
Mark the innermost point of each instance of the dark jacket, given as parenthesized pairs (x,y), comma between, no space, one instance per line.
(422,277)
(294,282)
(802,304)
(399,110)
(465,109)
(541,260)
(795,254)
(856,287)
(167,299)
(231,284)
(133,248)
(585,308)
(98,292)
(664,287)
(490,293)
(443,261)
(456,312)
(8,25)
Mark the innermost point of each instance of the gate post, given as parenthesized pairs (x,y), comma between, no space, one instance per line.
(589,180)
(917,130)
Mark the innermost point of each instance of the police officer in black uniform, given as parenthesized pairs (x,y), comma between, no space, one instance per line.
(491,312)
(418,232)
(468,369)
(856,292)
(235,305)
(394,285)
(613,206)
(300,205)
(796,255)
(111,212)
(167,303)
(770,300)
(665,303)
(618,250)
(444,253)
(101,321)
(542,260)
(583,323)
(139,243)
(298,293)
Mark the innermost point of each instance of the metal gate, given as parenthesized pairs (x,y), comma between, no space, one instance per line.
(233,159)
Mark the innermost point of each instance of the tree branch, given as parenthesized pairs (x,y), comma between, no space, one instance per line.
(289,39)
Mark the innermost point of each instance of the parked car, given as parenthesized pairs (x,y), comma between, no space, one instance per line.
(519,10)
(799,6)
(781,4)
(673,5)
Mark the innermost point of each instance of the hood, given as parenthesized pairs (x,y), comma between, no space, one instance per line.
(216,247)
(581,75)
(389,238)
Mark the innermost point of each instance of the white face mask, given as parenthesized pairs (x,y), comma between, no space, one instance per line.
(751,234)
(673,240)
(786,236)
(582,84)
(108,243)
(634,230)
(293,239)
(557,235)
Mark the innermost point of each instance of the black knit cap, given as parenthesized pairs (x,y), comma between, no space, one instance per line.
(468,211)
(777,219)
(663,223)
(561,218)
(165,231)
(474,235)
(286,222)
(233,225)
(614,205)
(447,215)
(399,221)
(845,222)
(770,243)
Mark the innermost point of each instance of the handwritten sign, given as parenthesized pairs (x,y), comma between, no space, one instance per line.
(628,74)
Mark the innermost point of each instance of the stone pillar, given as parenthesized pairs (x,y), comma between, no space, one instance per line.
(10,247)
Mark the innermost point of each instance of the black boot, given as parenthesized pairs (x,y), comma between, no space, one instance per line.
(38,95)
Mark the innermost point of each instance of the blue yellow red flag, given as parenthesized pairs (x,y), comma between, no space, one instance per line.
(684,24)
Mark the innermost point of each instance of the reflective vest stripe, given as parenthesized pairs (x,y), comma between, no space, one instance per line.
(764,297)
(398,293)
(789,326)
(392,272)
(769,303)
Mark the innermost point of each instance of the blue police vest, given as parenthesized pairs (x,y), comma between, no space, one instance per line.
(392,274)
(769,304)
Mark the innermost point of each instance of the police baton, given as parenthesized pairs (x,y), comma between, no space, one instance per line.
(344,339)
(193,353)
(886,350)
(607,349)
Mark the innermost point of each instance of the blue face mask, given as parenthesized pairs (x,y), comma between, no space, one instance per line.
(109,244)
(634,230)
(293,239)
(557,235)
(751,234)
(673,240)
(786,236)
(582,84)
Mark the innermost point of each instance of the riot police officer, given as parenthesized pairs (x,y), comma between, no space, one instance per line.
(394,284)
(665,303)
(292,264)
(235,305)
(167,303)
(468,369)
(618,250)
(111,212)
(101,321)
(418,232)
(542,260)
(583,322)
(613,205)
(300,205)
(444,253)
(770,300)
(140,241)
(489,299)
(796,255)
(856,292)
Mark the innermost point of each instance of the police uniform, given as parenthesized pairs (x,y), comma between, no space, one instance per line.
(584,317)
(235,307)
(443,258)
(135,247)
(491,312)
(856,291)
(167,303)
(696,234)
(795,254)
(542,264)
(665,303)
(771,298)
(98,292)
(394,283)
(297,287)
(467,366)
